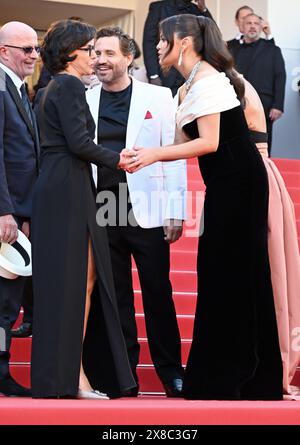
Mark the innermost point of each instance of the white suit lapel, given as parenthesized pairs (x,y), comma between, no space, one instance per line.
(93,100)
(138,108)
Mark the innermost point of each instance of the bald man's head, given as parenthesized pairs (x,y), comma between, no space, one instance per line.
(16,40)
(14,31)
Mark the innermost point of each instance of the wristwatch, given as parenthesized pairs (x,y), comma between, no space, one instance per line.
(154,76)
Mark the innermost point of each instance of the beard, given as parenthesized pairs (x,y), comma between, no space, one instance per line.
(110,74)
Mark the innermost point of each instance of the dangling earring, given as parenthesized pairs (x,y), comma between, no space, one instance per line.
(180,58)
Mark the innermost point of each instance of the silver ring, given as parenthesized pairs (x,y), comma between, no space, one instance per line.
(134,158)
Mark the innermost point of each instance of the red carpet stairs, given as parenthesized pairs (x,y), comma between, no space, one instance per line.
(152,408)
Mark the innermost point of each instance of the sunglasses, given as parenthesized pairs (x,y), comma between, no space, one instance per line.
(88,48)
(26,49)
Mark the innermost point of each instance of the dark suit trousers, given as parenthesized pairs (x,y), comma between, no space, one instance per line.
(11,293)
(152,257)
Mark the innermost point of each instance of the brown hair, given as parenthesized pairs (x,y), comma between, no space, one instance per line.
(207,41)
(252,14)
(241,9)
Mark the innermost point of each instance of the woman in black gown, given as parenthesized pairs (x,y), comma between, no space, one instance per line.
(235,350)
(70,252)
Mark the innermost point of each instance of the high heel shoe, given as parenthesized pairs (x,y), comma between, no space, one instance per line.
(93,394)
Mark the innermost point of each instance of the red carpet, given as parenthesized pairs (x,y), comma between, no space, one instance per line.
(146,411)
(158,410)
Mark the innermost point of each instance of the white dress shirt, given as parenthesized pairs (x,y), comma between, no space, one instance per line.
(15,79)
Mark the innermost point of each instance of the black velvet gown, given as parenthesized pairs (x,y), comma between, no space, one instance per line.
(235,351)
(64,218)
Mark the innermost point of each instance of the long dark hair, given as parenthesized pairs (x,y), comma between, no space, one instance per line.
(208,43)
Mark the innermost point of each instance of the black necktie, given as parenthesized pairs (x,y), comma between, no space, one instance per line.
(26,102)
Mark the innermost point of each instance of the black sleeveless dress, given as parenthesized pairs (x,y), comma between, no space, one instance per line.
(235,351)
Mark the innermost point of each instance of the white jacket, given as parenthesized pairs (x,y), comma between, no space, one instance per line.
(158,191)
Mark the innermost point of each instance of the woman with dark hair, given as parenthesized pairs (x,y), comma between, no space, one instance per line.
(70,252)
(235,351)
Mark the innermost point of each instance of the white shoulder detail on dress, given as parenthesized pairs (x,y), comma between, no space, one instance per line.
(210,95)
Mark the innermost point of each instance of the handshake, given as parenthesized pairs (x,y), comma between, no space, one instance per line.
(128,160)
(132,160)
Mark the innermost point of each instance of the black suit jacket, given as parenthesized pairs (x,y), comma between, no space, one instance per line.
(19,153)
(38,98)
(158,11)
(266,73)
(44,78)
(234,44)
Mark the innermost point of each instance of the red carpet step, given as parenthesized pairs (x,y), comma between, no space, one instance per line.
(184,280)
(291,179)
(21,349)
(185,323)
(149,382)
(185,303)
(295,194)
(146,411)
(287,165)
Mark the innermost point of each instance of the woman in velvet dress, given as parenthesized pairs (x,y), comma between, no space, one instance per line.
(235,351)
(282,245)
(70,252)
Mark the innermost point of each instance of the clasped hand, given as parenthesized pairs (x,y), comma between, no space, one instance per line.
(132,160)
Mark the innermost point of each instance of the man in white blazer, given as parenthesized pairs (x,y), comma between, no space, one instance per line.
(145,210)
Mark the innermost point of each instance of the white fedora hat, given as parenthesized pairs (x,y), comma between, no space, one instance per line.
(15,259)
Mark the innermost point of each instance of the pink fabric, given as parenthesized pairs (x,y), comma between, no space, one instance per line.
(283,252)
(285,273)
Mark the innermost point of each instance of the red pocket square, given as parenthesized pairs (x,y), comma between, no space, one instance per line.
(148,115)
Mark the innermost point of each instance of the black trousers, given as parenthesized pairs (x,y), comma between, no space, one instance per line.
(152,257)
(11,294)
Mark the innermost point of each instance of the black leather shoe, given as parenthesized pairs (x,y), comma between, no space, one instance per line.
(132,392)
(9,387)
(173,387)
(24,330)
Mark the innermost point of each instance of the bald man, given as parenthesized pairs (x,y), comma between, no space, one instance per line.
(19,153)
